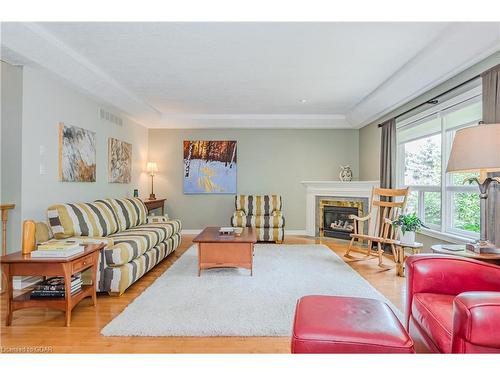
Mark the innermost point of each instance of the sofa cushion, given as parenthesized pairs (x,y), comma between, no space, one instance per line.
(130,212)
(97,219)
(258,204)
(117,279)
(258,221)
(434,313)
(132,243)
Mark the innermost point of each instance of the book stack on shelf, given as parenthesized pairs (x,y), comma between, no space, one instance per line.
(57,249)
(54,287)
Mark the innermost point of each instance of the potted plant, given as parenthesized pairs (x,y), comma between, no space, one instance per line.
(408,224)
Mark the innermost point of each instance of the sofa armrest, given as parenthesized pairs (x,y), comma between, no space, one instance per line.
(476,321)
(444,274)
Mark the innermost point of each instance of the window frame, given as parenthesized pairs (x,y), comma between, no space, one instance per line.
(446,188)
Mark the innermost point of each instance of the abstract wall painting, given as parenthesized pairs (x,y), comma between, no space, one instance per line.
(119,161)
(77,154)
(210,167)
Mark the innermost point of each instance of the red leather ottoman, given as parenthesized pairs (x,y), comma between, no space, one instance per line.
(330,324)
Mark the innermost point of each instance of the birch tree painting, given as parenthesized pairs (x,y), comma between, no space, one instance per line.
(210,167)
(77,154)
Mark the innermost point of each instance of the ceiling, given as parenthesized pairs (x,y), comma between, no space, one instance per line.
(317,75)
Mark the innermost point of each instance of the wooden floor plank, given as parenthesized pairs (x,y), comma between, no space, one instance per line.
(44,327)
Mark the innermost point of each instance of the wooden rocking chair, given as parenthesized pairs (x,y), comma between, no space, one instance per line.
(382,213)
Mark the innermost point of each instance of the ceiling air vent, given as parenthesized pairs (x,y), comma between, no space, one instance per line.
(108,116)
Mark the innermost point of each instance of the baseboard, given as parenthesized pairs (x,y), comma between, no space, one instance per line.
(191,231)
(21,282)
(291,232)
(295,232)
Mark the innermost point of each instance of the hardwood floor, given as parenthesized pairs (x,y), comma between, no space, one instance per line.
(43,329)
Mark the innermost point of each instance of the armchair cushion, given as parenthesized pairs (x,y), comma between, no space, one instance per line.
(434,314)
(261,221)
(258,204)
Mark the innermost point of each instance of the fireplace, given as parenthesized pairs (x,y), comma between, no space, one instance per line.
(334,216)
(336,222)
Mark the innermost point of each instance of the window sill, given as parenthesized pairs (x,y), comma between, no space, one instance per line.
(453,238)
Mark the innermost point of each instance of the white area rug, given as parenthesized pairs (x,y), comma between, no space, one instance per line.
(228,302)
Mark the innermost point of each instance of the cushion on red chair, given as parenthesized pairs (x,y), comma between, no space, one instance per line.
(331,324)
(434,313)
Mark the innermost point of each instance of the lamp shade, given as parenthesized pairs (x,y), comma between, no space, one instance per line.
(476,148)
(152,167)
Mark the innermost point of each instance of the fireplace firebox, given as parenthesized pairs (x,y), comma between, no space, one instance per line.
(336,222)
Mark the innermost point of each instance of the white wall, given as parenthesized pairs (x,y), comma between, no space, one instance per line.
(46,102)
(11,146)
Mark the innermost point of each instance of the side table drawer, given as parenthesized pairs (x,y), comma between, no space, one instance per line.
(83,263)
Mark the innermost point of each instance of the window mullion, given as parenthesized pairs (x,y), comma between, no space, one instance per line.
(421,210)
(444,149)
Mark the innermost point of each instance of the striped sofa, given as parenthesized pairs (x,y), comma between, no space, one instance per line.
(262,212)
(133,245)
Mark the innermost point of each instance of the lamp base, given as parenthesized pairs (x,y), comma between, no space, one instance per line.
(483,247)
(152,197)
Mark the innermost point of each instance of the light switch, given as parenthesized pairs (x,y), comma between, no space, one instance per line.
(43,164)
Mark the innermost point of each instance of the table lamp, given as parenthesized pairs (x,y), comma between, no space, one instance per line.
(152,168)
(478,149)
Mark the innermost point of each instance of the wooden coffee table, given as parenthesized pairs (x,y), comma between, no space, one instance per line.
(18,264)
(216,250)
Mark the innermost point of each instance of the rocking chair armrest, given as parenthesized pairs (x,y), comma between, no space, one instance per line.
(357,218)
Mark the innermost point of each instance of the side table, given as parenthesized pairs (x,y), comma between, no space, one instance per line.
(18,264)
(154,204)
(400,255)
(488,258)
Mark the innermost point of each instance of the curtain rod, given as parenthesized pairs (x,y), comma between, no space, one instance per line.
(434,100)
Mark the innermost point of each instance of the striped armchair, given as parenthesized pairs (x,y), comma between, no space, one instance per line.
(262,212)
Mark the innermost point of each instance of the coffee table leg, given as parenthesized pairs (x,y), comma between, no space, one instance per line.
(251,259)
(199,259)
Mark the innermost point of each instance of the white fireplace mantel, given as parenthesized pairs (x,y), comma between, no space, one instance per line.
(359,189)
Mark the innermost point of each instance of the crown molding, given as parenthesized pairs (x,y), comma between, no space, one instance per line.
(460,46)
(36,45)
(253,121)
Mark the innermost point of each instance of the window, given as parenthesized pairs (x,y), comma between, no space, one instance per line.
(440,199)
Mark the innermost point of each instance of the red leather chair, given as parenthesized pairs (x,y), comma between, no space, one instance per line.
(453,304)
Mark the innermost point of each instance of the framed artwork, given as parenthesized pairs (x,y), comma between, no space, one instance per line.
(119,161)
(210,167)
(77,154)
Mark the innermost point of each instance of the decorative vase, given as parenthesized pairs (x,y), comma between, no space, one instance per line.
(407,238)
(28,239)
(345,174)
